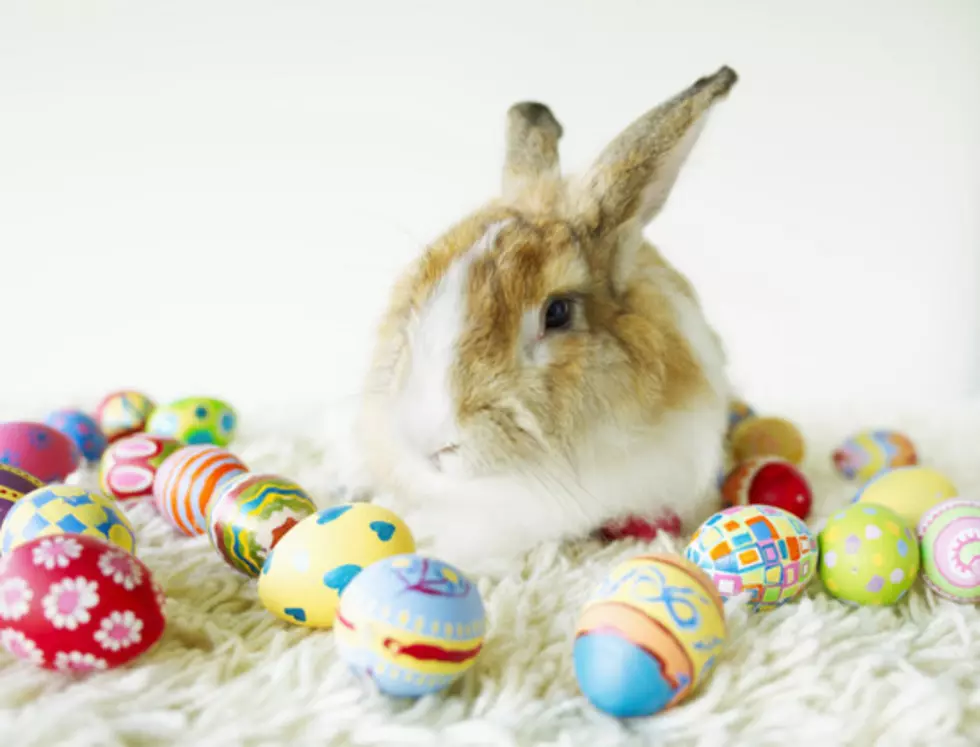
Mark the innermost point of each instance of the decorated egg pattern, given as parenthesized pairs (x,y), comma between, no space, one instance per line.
(868,555)
(410,624)
(767,436)
(763,550)
(14,483)
(130,464)
(39,450)
(770,481)
(187,482)
(303,577)
(649,634)
(251,514)
(738,411)
(949,535)
(77,604)
(643,528)
(63,509)
(82,430)
(909,491)
(123,413)
(866,454)
(195,420)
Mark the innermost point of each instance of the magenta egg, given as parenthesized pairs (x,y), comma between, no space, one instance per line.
(39,450)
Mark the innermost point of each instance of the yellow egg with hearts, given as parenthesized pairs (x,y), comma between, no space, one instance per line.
(304,575)
(908,491)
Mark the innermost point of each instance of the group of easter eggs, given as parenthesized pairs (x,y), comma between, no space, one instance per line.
(656,624)
(75,597)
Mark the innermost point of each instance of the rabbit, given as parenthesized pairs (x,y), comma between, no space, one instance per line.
(540,369)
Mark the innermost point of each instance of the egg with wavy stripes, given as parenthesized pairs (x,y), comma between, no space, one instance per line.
(187,482)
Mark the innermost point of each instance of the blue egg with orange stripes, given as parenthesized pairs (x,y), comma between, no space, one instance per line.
(310,566)
(65,509)
(410,625)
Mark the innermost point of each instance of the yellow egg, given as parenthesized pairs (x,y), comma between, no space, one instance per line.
(908,491)
(766,436)
(303,577)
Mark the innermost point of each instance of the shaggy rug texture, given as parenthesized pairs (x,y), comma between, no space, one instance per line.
(812,672)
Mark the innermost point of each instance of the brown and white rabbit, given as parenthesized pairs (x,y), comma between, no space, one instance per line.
(541,369)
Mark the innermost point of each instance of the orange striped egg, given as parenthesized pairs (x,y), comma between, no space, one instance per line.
(187,482)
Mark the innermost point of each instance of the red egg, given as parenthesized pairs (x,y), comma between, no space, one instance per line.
(641,528)
(77,604)
(47,454)
(768,481)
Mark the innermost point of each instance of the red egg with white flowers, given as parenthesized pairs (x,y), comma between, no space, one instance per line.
(74,603)
(768,481)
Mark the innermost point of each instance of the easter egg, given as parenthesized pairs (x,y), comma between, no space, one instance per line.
(649,634)
(738,411)
(251,514)
(868,555)
(303,577)
(949,535)
(195,420)
(762,550)
(188,480)
(909,491)
(82,430)
(765,436)
(770,481)
(130,464)
(123,413)
(39,450)
(866,454)
(64,509)
(14,483)
(643,528)
(411,624)
(77,604)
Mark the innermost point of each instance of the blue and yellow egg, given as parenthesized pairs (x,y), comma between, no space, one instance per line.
(64,509)
(195,420)
(303,577)
(412,625)
(869,453)
(648,636)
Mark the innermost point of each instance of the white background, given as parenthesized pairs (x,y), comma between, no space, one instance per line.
(213,197)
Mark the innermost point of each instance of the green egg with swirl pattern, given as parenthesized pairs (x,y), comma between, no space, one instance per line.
(195,420)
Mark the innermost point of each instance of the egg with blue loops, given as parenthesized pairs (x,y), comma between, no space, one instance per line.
(303,578)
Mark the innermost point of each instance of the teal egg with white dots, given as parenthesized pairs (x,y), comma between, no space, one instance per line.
(195,420)
(868,555)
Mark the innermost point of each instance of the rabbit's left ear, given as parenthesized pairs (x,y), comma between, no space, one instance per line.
(633,176)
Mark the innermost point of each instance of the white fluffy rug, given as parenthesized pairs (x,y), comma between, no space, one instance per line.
(813,672)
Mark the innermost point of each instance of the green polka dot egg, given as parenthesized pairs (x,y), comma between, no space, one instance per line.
(195,420)
(868,556)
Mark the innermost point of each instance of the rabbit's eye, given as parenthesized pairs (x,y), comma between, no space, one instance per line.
(558,314)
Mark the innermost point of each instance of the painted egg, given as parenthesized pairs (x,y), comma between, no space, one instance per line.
(643,528)
(303,577)
(770,481)
(761,550)
(251,514)
(83,431)
(738,411)
(949,536)
(864,455)
(64,509)
(868,555)
(195,420)
(130,464)
(767,436)
(188,480)
(648,636)
(77,604)
(123,413)
(410,624)
(39,450)
(14,483)
(908,491)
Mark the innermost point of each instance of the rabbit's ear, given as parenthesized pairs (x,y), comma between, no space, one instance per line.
(531,166)
(633,176)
